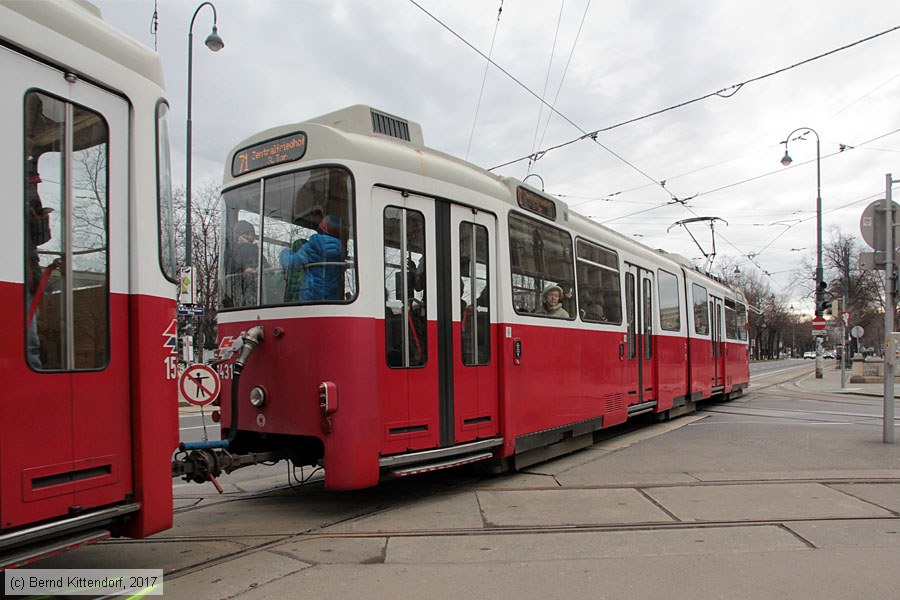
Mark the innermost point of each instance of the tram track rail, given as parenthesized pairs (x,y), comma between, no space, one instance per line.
(387,500)
(326,529)
(329,529)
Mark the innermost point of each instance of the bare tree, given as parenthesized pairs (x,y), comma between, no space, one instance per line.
(766,314)
(863,290)
(206,234)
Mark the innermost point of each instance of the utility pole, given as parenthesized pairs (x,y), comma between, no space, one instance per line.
(890,280)
(846,267)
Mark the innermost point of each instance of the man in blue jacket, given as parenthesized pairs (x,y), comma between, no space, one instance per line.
(322,257)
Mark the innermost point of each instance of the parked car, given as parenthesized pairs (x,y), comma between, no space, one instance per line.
(829,354)
(809,355)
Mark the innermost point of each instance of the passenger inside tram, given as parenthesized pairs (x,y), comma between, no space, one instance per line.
(592,305)
(37,232)
(551,304)
(322,256)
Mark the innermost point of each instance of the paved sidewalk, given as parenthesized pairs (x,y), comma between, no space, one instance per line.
(831,382)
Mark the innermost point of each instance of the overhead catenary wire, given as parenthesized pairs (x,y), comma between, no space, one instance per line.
(724,93)
(562,79)
(537,126)
(782,233)
(867,94)
(754,178)
(544,102)
(487,66)
(720,93)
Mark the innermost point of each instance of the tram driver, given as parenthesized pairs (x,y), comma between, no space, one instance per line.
(241,264)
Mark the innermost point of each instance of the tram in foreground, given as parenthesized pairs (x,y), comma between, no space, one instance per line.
(396,310)
(88,416)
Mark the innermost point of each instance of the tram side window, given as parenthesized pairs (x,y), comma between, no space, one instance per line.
(741,311)
(669,304)
(647,312)
(66,236)
(475,301)
(541,258)
(731,329)
(701,309)
(631,315)
(405,278)
(599,293)
(165,199)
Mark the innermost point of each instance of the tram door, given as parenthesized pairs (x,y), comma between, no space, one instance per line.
(469,303)
(440,387)
(718,344)
(639,338)
(65,434)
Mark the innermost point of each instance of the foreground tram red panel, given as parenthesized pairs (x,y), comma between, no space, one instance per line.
(392,310)
(88,417)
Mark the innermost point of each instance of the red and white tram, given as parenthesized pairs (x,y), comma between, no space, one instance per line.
(88,417)
(402,310)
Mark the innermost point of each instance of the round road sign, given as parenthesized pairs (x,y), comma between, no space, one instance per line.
(857,332)
(818,324)
(199,385)
(872,225)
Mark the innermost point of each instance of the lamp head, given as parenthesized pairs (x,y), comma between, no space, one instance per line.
(214,42)
(786,160)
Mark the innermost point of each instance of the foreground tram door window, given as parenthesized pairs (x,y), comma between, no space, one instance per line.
(66,236)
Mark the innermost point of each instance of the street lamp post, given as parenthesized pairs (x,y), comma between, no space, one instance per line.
(214,43)
(820,276)
(793,332)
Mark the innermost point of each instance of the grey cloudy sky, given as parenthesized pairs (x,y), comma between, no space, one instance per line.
(288,60)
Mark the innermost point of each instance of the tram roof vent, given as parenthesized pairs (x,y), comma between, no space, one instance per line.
(367,120)
(388,125)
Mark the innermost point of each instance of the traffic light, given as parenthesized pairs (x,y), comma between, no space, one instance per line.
(836,308)
(822,305)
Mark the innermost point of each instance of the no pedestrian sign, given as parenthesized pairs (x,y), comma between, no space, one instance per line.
(199,385)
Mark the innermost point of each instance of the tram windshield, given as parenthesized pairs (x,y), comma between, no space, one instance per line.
(289,239)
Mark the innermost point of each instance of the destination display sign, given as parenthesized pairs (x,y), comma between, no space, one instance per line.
(268,154)
(536,204)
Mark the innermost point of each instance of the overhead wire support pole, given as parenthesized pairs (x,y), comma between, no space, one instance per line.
(889,303)
(845,317)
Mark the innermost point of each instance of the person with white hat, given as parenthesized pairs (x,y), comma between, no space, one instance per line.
(551,303)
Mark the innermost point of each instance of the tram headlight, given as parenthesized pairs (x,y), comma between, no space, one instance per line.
(258,396)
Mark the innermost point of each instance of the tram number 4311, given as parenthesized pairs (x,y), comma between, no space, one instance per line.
(225,370)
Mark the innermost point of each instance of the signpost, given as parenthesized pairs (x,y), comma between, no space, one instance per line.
(877,227)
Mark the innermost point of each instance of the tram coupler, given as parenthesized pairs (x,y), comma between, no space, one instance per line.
(205,464)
